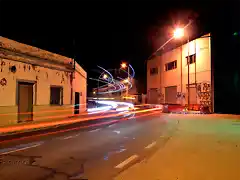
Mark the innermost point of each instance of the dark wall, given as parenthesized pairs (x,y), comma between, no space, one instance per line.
(226,69)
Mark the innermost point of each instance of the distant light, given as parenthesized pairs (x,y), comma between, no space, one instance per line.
(235,33)
(105,76)
(123,65)
(94,92)
(126,80)
(128,97)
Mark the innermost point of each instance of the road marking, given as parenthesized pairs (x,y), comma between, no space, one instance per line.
(77,134)
(111,125)
(118,132)
(21,149)
(127,161)
(95,130)
(151,145)
(68,137)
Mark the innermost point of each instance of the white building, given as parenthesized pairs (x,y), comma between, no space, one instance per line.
(167,74)
(37,85)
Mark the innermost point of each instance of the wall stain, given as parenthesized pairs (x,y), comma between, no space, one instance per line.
(3,82)
(62,80)
(34,67)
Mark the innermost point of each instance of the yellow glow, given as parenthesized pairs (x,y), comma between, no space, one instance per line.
(128,97)
(123,65)
(125,80)
(178,33)
(105,76)
(103,98)
(94,92)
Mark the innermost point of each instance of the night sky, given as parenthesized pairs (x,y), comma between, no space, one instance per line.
(106,33)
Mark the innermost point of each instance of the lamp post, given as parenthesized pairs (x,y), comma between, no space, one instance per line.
(179,33)
(105,76)
(124,65)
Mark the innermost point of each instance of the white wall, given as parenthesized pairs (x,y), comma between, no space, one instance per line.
(42,76)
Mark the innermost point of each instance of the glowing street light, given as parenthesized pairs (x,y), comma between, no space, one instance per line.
(178,33)
(126,80)
(123,65)
(105,76)
(94,92)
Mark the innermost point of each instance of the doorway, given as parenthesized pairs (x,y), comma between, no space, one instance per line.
(170,95)
(193,95)
(77,101)
(153,96)
(25,102)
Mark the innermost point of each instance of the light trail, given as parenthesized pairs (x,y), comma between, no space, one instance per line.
(112,122)
(65,122)
(44,111)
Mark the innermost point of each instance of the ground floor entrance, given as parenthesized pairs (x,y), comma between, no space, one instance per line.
(77,103)
(171,95)
(25,101)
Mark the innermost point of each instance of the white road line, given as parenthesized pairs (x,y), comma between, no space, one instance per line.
(68,137)
(127,161)
(151,145)
(118,132)
(21,149)
(111,125)
(95,130)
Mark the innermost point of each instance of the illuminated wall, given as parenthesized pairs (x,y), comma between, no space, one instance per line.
(199,72)
(19,62)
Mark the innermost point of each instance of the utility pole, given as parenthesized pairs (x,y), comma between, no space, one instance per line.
(188,62)
(128,82)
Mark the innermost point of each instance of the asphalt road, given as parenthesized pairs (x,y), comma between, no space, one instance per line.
(96,153)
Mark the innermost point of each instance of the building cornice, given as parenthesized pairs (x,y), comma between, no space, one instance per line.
(15,51)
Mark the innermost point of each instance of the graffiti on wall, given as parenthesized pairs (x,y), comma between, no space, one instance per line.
(204,93)
(3,82)
(180,95)
(161,96)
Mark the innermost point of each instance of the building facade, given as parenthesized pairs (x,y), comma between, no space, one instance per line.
(37,85)
(182,75)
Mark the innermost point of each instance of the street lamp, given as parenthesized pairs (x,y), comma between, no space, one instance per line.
(105,76)
(178,33)
(124,65)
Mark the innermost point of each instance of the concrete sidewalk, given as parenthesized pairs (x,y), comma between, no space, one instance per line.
(199,150)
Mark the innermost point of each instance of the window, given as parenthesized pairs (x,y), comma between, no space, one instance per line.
(153,71)
(56,95)
(192,59)
(171,65)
